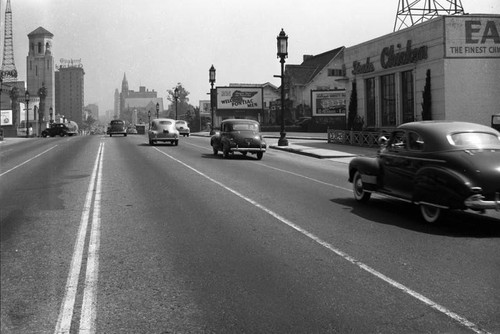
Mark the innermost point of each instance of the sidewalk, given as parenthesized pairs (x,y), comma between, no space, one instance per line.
(312,144)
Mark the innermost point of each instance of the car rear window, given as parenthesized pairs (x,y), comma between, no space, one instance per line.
(117,123)
(164,122)
(180,122)
(245,126)
(474,139)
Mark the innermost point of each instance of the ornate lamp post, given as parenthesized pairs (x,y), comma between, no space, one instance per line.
(27,99)
(176,97)
(157,109)
(211,79)
(282,54)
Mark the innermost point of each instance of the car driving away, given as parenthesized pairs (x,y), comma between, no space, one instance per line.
(117,127)
(437,165)
(239,135)
(182,127)
(163,130)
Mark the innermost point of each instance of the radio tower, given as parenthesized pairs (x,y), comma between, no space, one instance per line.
(8,71)
(411,12)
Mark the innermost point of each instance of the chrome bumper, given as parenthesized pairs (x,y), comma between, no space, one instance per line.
(248,149)
(476,202)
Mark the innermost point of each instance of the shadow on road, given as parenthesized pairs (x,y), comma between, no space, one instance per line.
(454,223)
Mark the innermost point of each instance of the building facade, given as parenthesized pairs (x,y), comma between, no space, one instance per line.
(70,86)
(40,68)
(137,107)
(446,68)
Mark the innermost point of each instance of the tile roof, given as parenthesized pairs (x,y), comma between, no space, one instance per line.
(310,67)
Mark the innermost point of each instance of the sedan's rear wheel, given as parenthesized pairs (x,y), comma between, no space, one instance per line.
(260,155)
(357,187)
(431,214)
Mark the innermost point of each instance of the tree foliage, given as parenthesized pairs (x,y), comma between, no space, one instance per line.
(427,98)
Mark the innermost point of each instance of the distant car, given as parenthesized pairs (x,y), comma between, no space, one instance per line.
(132,131)
(437,165)
(239,135)
(117,127)
(163,130)
(60,129)
(182,127)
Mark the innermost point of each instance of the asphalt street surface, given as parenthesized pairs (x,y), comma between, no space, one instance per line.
(111,235)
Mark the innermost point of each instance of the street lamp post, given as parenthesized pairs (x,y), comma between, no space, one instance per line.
(149,119)
(27,99)
(157,109)
(282,54)
(51,115)
(211,79)
(176,97)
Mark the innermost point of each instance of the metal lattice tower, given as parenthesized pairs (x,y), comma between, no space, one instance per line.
(9,71)
(411,12)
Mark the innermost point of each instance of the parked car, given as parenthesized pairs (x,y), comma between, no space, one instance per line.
(117,127)
(131,130)
(60,129)
(239,135)
(437,165)
(182,127)
(163,129)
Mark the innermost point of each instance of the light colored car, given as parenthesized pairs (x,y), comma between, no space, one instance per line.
(182,127)
(163,130)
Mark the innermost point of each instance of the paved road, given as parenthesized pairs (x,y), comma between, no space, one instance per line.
(111,235)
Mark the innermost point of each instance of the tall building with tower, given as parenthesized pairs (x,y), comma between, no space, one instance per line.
(69,79)
(40,68)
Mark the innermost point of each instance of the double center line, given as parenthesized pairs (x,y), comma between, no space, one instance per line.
(88,310)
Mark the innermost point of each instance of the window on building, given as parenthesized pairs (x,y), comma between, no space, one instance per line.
(408,97)
(388,100)
(335,72)
(40,47)
(370,102)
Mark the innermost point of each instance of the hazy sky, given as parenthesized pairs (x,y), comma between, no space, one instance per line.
(159,43)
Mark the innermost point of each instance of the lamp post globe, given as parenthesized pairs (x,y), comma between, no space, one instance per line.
(282,46)
(211,79)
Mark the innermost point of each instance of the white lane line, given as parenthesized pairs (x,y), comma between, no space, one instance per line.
(66,312)
(36,156)
(461,320)
(89,305)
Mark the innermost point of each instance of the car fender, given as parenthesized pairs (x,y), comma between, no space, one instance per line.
(367,166)
(441,186)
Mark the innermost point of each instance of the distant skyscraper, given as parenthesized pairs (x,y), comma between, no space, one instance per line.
(116,109)
(70,90)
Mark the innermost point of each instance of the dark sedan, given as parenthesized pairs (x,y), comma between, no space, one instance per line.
(239,135)
(437,165)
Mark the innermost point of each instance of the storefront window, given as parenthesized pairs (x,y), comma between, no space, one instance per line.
(407,94)
(388,103)
(370,102)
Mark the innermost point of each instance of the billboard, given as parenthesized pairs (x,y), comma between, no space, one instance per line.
(328,102)
(472,36)
(6,118)
(240,98)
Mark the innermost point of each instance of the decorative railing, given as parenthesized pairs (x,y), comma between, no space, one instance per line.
(359,138)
